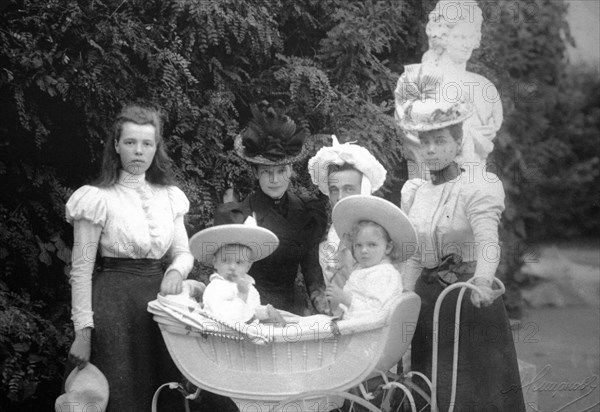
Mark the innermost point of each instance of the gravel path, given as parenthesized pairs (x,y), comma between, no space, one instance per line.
(564,345)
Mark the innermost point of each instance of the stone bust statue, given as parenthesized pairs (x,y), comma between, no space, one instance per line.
(454,31)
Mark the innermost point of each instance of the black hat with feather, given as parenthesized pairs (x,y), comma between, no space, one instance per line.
(271,138)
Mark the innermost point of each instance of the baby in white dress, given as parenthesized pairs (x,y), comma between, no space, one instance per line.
(231,249)
(379,234)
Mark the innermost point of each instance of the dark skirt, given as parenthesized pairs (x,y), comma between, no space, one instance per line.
(488,374)
(127,345)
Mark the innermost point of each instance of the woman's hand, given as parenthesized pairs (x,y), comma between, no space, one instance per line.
(79,354)
(171,283)
(487,295)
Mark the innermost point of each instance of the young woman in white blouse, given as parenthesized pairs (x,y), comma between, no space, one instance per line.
(132,215)
(456,214)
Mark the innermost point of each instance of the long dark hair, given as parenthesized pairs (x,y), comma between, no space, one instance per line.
(160,171)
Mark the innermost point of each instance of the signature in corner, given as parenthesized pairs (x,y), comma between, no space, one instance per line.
(534,408)
(586,386)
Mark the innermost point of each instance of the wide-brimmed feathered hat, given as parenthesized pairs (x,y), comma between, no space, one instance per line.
(231,227)
(353,209)
(421,104)
(271,138)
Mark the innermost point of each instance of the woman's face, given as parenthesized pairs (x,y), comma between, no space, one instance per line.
(273,180)
(438,148)
(136,147)
(460,43)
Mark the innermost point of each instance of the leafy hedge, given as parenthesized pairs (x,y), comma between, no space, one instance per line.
(67,66)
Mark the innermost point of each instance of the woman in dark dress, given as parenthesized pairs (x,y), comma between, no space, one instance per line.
(271,143)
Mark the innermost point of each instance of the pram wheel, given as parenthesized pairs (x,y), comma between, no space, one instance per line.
(376,395)
(325,401)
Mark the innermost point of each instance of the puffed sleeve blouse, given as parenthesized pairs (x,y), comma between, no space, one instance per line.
(460,216)
(141,221)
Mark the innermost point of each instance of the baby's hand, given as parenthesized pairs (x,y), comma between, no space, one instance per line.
(333,292)
(243,286)
(194,289)
(274,316)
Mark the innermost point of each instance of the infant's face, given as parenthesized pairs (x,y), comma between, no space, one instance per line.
(232,261)
(370,248)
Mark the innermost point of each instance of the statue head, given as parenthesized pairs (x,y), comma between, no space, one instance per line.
(453,30)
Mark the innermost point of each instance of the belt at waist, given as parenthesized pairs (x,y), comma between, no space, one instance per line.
(138,267)
(452,269)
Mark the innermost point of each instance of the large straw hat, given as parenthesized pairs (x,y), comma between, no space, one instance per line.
(339,154)
(230,227)
(86,389)
(353,209)
(271,138)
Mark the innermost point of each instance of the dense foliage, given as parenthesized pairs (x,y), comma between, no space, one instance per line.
(548,150)
(67,66)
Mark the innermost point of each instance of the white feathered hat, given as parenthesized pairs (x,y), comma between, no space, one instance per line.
(339,154)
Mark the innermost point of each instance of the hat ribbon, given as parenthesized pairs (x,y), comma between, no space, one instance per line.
(251,220)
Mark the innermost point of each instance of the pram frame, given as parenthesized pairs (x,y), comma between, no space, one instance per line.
(388,331)
(260,376)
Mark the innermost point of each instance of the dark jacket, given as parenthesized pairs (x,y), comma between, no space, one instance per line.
(299,225)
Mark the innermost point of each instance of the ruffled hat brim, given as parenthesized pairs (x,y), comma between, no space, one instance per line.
(261,160)
(347,153)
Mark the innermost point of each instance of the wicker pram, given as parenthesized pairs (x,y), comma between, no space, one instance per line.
(259,366)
